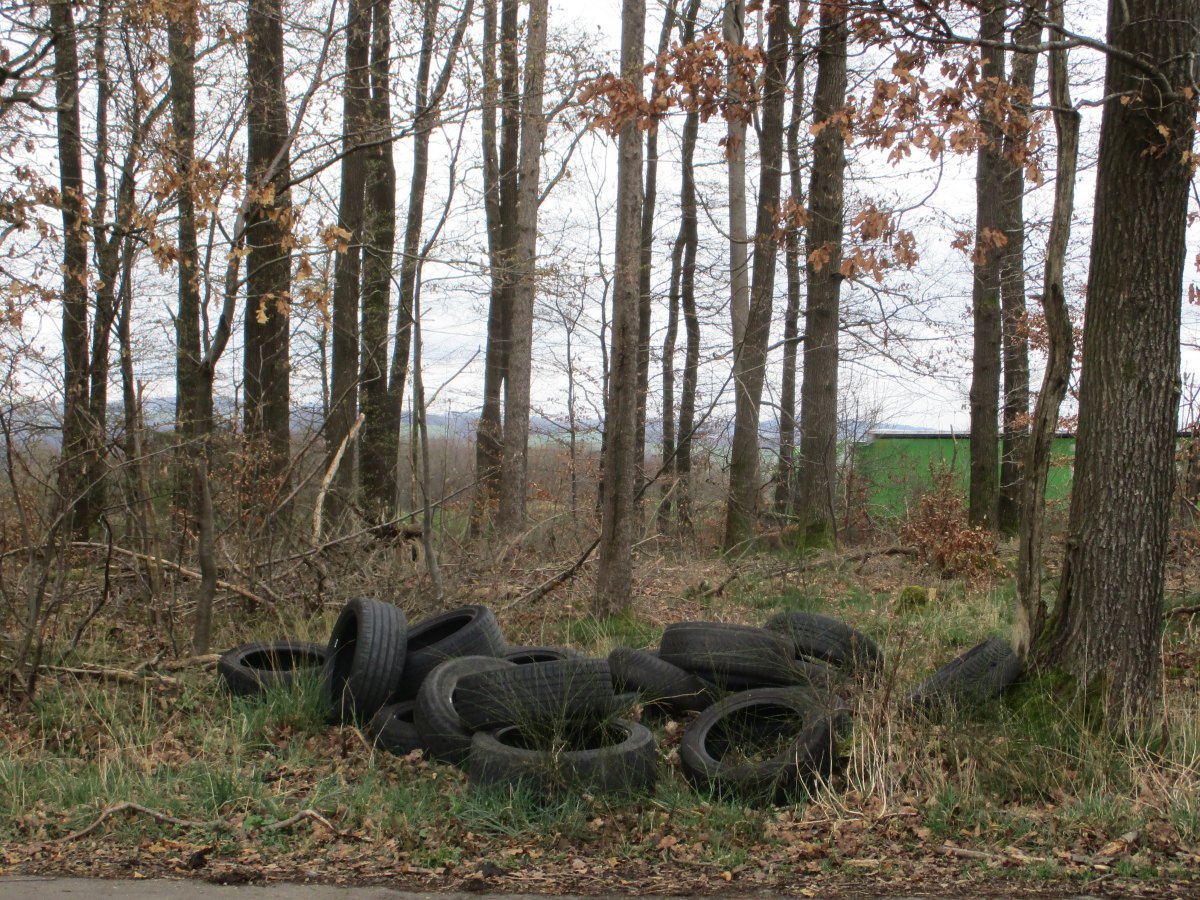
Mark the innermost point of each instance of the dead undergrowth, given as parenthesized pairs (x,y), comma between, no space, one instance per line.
(157,771)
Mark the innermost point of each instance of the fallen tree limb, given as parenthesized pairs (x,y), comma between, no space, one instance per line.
(121,676)
(810,564)
(312,815)
(158,560)
(126,806)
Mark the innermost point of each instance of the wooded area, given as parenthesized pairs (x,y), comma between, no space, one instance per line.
(322,178)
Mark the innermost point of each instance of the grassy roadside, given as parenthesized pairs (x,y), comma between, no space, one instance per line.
(1021,791)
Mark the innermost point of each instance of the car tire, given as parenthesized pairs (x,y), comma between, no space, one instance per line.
(829,640)
(536,696)
(720,652)
(436,715)
(972,679)
(395,730)
(798,729)
(659,683)
(466,631)
(618,757)
(253,669)
(363,660)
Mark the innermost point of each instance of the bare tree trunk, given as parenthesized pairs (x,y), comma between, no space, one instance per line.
(1014,338)
(668,386)
(71,473)
(514,464)
(816,477)
(422,425)
(348,269)
(614,581)
(267,236)
(381,424)
(645,299)
(107,259)
(985,294)
(785,477)
(734,31)
(500,191)
(750,363)
(1107,628)
(193,394)
(689,235)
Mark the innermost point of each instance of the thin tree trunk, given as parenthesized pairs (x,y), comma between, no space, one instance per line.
(734,31)
(985,293)
(614,580)
(107,258)
(816,477)
(193,397)
(645,299)
(348,268)
(668,386)
(380,430)
(267,237)
(514,463)
(689,235)
(71,480)
(785,477)
(750,363)
(500,192)
(422,425)
(1014,338)
(1108,624)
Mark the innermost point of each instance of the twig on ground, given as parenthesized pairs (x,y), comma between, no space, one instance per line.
(1184,611)
(808,565)
(967,853)
(312,815)
(126,806)
(122,676)
(173,566)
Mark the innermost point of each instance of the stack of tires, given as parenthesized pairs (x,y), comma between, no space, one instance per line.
(763,706)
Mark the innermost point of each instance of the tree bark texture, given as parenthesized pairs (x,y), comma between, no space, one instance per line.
(514,465)
(816,475)
(985,291)
(380,432)
(614,580)
(750,363)
(344,375)
(785,475)
(645,299)
(1031,608)
(1109,618)
(193,392)
(500,192)
(268,239)
(1014,337)
(75,260)
(734,31)
(689,235)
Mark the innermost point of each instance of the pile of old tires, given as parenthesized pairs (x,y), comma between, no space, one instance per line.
(763,706)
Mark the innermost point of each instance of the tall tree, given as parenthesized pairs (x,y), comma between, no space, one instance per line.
(985,292)
(645,299)
(750,361)
(614,581)
(501,157)
(344,375)
(1108,623)
(690,239)
(381,426)
(267,237)
(785,476)
(734,32)
(1014,335)
(426,114)
(75,258)
(1060,340)
(193,393)
(514,463)
(816,476)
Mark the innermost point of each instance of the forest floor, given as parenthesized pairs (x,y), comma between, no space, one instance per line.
(160,773)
